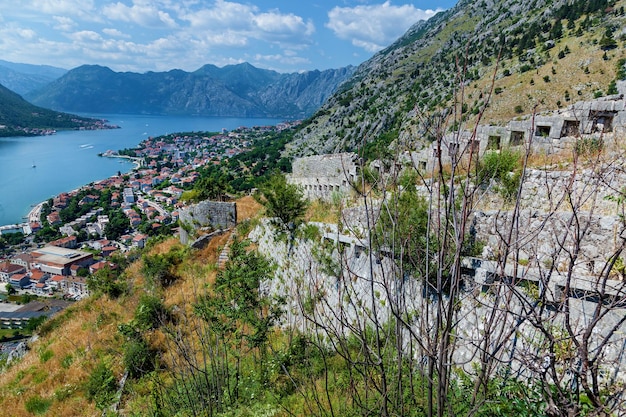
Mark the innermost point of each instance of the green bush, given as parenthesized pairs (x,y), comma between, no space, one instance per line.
(38,405)
(496,165)
(284,204)
(46,355)
(503,169)
(138,358)
(107,281)
(101,385)
(67,361)
(150,312)
(588,146)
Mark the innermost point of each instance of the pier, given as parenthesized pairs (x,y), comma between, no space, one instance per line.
(138,161)
(13,228)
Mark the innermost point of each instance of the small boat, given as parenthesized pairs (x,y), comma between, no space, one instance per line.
(34,166)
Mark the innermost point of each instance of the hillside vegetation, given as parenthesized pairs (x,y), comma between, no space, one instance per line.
(18,117)
(82,353)
(528,55)
(446,294)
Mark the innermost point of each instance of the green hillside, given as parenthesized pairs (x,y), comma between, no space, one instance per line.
(20,118)
(494,285)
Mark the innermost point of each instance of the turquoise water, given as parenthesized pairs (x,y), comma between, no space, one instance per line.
(68,160)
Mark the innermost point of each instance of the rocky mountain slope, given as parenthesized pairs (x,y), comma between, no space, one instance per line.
(234,90)
(516,56)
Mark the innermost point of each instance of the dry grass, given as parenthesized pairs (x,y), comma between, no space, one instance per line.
(247,208)
(321,211)
(581,73)
(87,333)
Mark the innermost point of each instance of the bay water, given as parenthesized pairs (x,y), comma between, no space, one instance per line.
(34,169)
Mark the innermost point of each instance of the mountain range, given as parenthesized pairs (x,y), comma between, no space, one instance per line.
(232,91)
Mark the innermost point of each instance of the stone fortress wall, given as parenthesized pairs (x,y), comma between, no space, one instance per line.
(208,216)
(321,176)
(545,239)
(550,132)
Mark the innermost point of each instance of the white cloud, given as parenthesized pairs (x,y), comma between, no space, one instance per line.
(85,36)
(283,24)
(115,33)
(85,9)
(64,7)
(64,23)
(26,33)
(373,27)
(142,14)
(238,24)
(224,14)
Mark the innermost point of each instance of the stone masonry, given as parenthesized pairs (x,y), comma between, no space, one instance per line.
(207,216)
(549,132)
(322,175)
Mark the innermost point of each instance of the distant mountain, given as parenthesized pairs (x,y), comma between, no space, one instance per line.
(23,78)
(235,90)
(20,118)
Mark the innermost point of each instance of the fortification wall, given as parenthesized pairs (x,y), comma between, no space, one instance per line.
(208,216)
(363,287)
(549,132)
(321,176)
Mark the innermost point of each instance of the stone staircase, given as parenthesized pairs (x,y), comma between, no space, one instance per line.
(223,258)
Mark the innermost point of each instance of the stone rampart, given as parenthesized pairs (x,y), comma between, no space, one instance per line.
(321,176)
(342,284)
(550,132)
(206,216)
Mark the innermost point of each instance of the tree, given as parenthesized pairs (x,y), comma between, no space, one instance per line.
(284,203)
(608,42)
(10,289)
(101,385)
(233,320)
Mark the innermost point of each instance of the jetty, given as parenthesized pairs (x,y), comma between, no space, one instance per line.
(13,228)
(138,161)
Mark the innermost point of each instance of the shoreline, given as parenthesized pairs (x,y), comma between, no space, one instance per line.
(139,162)
(34,214)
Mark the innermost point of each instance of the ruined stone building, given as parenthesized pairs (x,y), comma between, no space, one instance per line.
(206,216)
(551,132)
(321,176)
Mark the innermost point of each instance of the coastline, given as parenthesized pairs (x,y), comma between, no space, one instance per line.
(139,162)
(34,215)
(66,164)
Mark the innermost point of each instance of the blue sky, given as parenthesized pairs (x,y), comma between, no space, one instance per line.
(159,35)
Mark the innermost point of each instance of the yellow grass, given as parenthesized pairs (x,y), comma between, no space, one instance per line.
(88,332)
(569,75)
(247,208)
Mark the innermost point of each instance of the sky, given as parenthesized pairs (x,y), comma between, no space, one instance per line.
(160,35)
